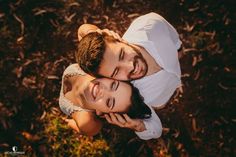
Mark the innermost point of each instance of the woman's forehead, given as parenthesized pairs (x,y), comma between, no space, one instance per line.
(123,97)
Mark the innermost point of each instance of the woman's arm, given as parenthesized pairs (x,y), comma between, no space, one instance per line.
(85,29)
(87,123)
(88,28)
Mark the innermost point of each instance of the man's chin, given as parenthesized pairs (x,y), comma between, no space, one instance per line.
(137,76)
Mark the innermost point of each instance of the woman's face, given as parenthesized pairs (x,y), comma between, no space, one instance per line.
(107,95)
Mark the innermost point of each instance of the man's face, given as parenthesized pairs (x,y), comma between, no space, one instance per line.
(122,62)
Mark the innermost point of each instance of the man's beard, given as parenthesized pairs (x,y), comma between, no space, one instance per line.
(140,57)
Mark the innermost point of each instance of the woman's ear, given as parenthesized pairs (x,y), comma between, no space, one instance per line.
(99,113)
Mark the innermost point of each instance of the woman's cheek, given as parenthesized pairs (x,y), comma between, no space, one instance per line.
(100,105)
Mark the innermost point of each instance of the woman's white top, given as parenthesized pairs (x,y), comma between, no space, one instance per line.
(65,104)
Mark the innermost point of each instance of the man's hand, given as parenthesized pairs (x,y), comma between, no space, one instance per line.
(125,121)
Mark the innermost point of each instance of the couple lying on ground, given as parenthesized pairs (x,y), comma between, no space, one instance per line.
(147,56)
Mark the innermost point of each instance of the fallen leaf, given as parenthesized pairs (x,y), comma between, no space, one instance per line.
(30,137)
(194,124)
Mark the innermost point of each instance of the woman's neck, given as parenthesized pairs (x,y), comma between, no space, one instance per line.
(74,89)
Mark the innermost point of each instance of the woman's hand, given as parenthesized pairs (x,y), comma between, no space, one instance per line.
(72,124)
(89,28)
(125,121)
(110,33)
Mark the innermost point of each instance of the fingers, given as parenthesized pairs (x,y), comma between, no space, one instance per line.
(111,33)
(115,119)
(127,118)
(66,120)
(120,118)
(108,118)
(115,35)
(99,31)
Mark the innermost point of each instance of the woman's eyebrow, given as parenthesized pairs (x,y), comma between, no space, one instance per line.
(118,83)
(113,103)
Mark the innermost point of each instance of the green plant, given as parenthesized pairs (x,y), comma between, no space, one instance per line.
(63,141)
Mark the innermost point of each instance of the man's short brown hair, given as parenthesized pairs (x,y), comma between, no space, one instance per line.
(90,52)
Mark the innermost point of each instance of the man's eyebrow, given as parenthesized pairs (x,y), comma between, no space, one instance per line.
(120,55)
(114,72)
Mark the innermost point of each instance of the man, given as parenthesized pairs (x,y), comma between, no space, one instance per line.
(149,59)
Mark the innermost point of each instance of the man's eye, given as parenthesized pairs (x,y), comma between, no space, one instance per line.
(122,53)
(116,71)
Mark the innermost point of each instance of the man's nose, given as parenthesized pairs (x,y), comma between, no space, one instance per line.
(128,66)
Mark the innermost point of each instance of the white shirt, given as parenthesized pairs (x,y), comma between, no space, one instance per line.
(152,124)
(161,41)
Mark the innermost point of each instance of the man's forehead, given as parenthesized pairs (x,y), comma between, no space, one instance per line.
(106,67)
(112,47)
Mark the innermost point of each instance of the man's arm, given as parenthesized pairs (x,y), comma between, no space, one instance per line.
(86,123)
(153,127)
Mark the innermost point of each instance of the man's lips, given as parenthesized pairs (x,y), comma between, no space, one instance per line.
(137,68)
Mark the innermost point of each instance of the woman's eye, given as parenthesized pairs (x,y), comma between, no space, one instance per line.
(109,103)
(113,85)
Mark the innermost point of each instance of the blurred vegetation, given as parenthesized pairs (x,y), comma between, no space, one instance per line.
(38,39)
(64,142)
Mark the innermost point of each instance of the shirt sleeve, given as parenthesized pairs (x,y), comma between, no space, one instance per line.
(155,27)
(153,127)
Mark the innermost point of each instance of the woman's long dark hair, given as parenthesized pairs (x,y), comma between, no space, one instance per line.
(138,109)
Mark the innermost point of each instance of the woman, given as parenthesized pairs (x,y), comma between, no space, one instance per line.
(82,95)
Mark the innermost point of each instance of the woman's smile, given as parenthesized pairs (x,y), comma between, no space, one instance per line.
(105,94)
(96,91)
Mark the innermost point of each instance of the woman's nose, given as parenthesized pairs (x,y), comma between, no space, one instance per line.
(100,93)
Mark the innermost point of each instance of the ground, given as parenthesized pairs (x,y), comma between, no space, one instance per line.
(38,40)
